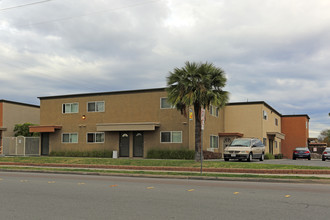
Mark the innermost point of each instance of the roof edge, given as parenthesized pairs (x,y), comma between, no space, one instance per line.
(255,103)
(19,103)
(103,93)
(299,115)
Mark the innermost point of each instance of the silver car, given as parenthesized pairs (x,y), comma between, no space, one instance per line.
(326,154)
(245,148)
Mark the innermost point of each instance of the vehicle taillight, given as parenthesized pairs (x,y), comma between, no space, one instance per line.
(307,152)
(295,152)
(325,153)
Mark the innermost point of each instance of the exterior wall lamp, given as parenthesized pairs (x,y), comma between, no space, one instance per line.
(83,117)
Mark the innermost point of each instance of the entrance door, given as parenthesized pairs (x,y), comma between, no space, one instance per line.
(44,143)
(138,144)
(123,144)
(271,146)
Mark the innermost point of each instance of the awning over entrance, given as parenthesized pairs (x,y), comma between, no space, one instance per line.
(143,126)
(277,135)
(230,134)
(44,128)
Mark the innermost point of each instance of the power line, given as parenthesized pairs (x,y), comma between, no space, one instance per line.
(28,4)
(96,12)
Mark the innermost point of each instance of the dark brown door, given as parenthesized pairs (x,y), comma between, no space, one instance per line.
(123,144)
(138,144)
(44,143)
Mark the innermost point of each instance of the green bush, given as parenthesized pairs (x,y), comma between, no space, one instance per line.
(269,156)
(279,156)
(95,153)
(171,154)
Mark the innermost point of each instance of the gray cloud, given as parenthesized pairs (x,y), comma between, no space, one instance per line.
(275,51)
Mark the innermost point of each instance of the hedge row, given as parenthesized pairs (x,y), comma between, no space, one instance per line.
(171,154)
(95,153)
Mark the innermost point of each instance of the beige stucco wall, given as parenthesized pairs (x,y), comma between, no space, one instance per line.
(124,107)
(247,119)
(18,114)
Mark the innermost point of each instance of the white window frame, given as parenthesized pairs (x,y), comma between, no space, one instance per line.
(171,137)
(214,111)
(211,138)
(94,133)
(168,103)
(264,115)
(96,105)
(70,139)
(71,107)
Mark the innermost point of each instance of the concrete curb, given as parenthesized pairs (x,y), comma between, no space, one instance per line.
(270,180)
(181,169)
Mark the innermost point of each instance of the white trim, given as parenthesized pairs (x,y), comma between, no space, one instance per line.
(95,106)
(69,138)
(70,104)
(95,137)
(170,142)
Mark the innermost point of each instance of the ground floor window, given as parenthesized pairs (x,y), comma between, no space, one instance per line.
(214,141)
(70,138)
(171,136)
(95,137)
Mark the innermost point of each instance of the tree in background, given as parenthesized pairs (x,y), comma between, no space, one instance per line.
(23,130)
(198,85)
(325,136)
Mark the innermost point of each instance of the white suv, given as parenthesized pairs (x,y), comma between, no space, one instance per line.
(245,148)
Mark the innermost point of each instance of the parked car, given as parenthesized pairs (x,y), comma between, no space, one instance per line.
(301,152)
(326,154)
(245,148)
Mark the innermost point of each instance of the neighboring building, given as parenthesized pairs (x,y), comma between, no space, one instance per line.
(252,119)
(296,128)
(12,113)
(131,122)
(134,122)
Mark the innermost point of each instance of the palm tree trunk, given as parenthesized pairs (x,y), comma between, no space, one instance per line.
(198,129)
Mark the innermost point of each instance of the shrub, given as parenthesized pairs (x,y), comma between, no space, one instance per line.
(269,156)
(171,154)
(279,156)
(95,153)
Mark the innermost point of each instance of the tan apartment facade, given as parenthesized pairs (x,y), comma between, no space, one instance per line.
(252,119)
(130,122)
(12,113)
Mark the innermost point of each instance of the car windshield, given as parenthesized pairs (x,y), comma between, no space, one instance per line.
(241,142)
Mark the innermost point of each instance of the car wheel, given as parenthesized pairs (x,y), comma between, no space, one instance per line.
(262,158)
(323,159)
(293,158)
(249,159)
(309,158)
(226,159)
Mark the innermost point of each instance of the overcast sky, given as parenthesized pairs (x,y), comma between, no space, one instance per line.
(277,51)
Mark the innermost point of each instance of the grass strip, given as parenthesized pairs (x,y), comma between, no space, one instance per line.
(188,174)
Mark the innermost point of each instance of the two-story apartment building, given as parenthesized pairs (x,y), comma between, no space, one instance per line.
(131,122)
(134,122)
(12,113)
(252,119)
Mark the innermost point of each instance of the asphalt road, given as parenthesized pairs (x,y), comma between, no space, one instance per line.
(57,196)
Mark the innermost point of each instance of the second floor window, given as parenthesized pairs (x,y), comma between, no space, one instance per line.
(164,103)
(95,107)
(214,111)
(70,108)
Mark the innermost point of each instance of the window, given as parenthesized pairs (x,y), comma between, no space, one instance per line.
(70,138)
(214,141)
(214,111)
(276,121)
(164,104)
(264,141)
(97,137)
(95,106)
(265,116)
(171,136)
(275,144)
(70,108)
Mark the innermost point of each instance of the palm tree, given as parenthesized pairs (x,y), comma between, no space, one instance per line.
(198,85)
